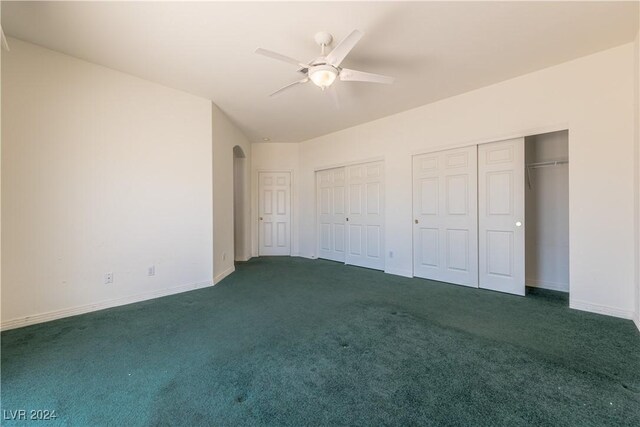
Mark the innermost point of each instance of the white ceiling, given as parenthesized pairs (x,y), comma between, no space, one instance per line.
(434,49)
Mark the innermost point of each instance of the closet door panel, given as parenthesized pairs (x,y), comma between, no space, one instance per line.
(365,215)
(355,242)
(338,239)
(501,216)
(445,216)
(374,238)
(331,214)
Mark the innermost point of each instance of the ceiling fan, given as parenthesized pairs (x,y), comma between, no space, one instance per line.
(324,70)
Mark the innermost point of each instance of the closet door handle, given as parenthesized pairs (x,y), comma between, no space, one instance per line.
(347,219)
(518,224)
(416,221)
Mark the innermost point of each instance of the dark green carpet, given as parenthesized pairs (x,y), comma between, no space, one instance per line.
(288,341)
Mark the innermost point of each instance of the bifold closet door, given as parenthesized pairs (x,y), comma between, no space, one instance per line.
(274,200)
(331,214)
(445,229)
(365,215)
(501,216)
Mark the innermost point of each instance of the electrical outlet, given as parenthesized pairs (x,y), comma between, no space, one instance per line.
(151,271)
(224,256)
(108,278)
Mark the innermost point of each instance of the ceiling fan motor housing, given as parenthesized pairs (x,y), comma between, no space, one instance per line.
(323,38)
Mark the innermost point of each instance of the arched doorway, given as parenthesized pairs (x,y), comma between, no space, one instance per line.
(240,207)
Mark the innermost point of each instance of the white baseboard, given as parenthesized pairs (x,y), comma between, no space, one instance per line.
(399,272)
(224,274)
(600,309)
(636,320)
(552,286)
(74,311)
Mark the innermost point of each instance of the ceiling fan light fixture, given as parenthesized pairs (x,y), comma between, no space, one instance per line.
(323,76)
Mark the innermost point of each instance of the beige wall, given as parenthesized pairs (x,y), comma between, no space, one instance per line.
(225,136)
(101,172)
(591,96)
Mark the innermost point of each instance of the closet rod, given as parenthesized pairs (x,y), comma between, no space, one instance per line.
(543,165)
(549,163)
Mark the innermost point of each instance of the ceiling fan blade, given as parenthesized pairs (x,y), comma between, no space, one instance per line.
(333,93)
(275,55)
(348,75)
(306,79)
(5,45)
(336,56)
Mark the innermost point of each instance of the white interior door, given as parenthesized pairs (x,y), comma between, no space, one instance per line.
(445,229)
(274,210)
(501,216)
(331,214)
(365,215)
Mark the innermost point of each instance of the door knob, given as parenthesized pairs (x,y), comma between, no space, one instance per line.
(416,221)
(260,218)
(347,219)
(518,224)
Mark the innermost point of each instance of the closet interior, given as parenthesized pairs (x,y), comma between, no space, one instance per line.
(547,211)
